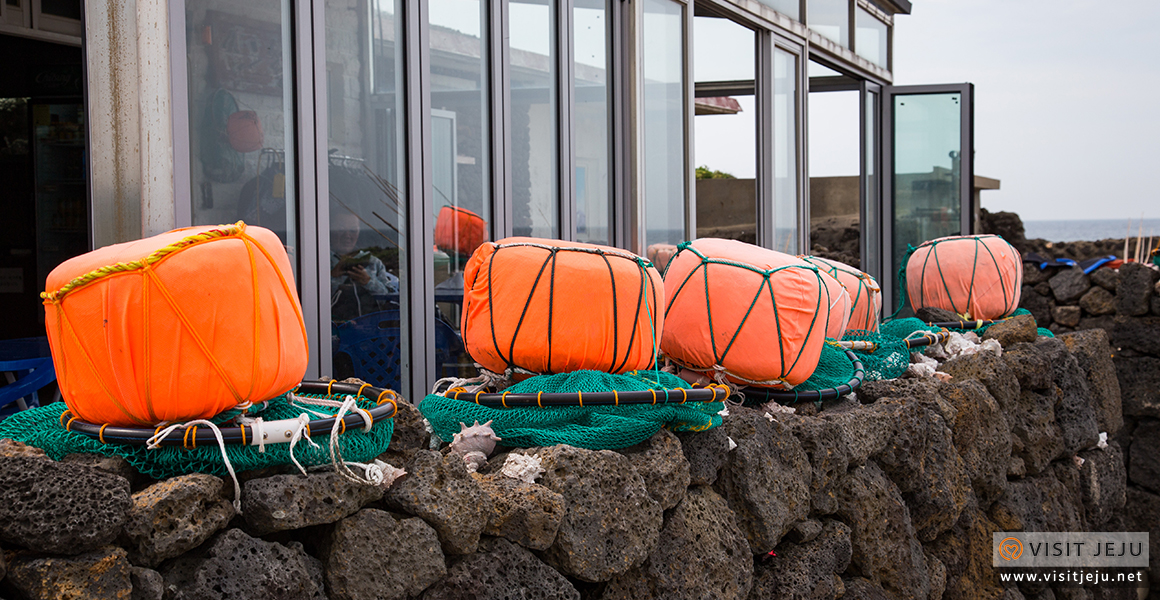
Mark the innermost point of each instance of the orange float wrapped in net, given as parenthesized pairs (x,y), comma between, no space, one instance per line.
(865,295)
(176,327)
(755,316)
(459,231)
(549,306)
(975,276)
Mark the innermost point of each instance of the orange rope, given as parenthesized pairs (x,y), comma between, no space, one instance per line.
(93,367)
(194,334)
(101,433)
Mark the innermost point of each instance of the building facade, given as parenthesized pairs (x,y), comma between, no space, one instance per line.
(382,140)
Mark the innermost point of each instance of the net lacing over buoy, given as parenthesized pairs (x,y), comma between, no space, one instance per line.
(710,324)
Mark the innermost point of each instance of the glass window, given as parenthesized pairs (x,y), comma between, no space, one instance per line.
(927,170)
(13,2)
(70,9)
(367,196)
(725,140)
(722,50)
(789,8)
(593,121)
(534,150)
(663,146)
(830,18)
(241,117)
(835,121)
(460,134)
(870,37)
(785,153)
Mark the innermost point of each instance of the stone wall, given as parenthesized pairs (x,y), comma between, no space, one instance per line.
(893,494)
(1124,303)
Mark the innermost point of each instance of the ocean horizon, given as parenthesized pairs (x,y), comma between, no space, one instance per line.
(1076,230)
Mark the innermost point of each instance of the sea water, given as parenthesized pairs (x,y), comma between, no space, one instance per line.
(1089,229)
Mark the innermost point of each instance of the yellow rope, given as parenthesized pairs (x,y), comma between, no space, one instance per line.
(135,265)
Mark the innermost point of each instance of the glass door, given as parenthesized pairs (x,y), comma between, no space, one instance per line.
(927,150)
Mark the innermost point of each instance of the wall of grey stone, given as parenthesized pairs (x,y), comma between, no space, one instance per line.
(892,494)
(1125,304)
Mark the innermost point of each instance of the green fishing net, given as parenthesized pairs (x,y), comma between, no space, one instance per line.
(41,427)
(591,427)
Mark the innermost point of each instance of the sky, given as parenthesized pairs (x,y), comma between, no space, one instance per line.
(1067,98)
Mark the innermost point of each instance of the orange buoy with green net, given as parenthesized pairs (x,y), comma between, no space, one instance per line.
(865,294)
(751,315)
(180,326)
(975,276)
(551,306)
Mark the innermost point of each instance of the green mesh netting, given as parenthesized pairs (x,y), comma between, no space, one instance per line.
(591,427)
(40,427)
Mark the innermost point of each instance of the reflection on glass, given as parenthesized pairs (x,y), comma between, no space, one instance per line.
(592,121)
(241,115)
(663,145)
(722,50)
(532,68)
(835,164)
(871,240)
(725,139)
(460,163)
(870,36)
(927,170)
(367,206)
(789,8)
(831,18)
(785,160)
(61,8)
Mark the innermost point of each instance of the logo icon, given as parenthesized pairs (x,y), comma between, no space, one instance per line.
(1010,548)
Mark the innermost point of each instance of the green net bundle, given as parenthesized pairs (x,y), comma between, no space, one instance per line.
(41,427)
(591,427)
(888,360)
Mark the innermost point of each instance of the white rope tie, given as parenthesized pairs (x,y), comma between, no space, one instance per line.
(301,430)
(155,442)
(341,467)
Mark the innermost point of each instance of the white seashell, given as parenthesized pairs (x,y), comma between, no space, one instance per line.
(383,474)
(474,443)
(523,467)
(473,460)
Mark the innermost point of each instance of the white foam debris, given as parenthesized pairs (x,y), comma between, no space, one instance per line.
(732,444)
(724,412)
(1103,443)
(1078,461)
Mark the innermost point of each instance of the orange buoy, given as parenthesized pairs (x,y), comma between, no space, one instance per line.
(755,315)
(176,327)
(976,276)
(549,306)
(865,294)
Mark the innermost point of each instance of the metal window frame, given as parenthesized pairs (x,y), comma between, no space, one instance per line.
(499,81)
(418,331)
(869,155)
(179,114)
(800,53)
(565,123)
